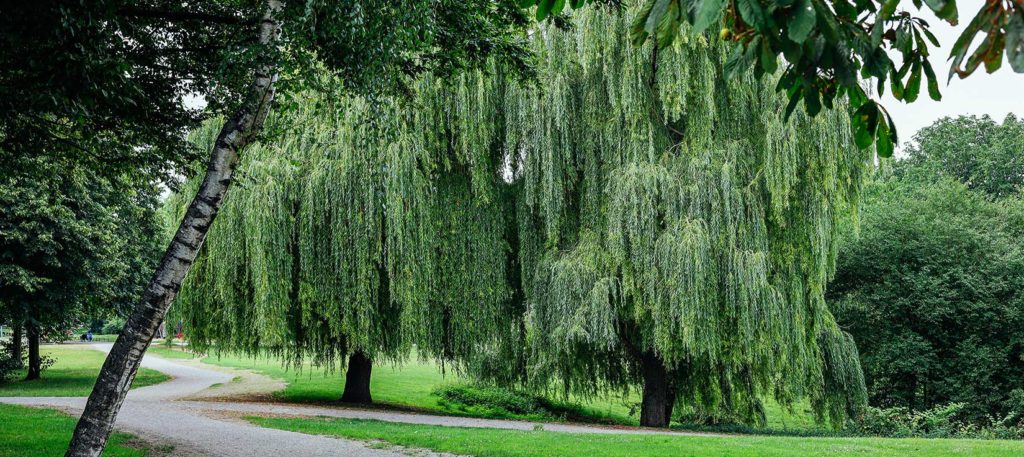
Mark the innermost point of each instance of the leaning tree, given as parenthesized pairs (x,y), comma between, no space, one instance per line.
(677,233)
(237,54)
(355,234)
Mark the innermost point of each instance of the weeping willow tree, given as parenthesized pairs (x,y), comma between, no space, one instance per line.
(354,235)
(639,221)
(677,233)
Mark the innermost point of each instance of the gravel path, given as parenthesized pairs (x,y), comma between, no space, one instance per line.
(166,412)
(152,412)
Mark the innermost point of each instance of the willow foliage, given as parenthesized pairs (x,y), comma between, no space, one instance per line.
(681,215)
(636,203)
(354,230)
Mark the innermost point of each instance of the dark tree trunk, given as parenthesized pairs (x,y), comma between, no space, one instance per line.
(357,379)
(35,362)
(658,395)
(17,350)
(122,363)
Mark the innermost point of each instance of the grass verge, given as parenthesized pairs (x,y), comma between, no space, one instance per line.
(539,443)
(46,432)
(72,375)
(420,386)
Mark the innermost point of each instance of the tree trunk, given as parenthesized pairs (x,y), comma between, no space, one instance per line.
(122,363)
(357,379)
(16,348)
(658,394)
(35,362)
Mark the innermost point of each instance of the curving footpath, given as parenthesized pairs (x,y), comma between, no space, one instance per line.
(214,428)
(153,412)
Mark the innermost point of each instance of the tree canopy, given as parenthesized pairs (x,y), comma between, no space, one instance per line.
(666,219)
(71,244)
(680,224)
(106,83)
(930,288)
(358,230)
(977,151)
(830,46)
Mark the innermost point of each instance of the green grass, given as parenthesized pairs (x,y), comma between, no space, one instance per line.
(46,432)
(73,375)
(104,338)
(173,352)
(412,386)
(512,443)
(407,386)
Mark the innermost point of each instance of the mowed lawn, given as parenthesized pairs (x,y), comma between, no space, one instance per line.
(511,443)
(72,375)
(46,432)
(411,386)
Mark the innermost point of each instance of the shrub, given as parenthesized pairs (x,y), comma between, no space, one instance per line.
(493,401)
(113,326)
(8,363)
(944,421)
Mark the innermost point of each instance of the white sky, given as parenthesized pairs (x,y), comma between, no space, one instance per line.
(981,93)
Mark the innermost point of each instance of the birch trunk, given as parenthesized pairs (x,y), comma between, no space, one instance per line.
(122,363)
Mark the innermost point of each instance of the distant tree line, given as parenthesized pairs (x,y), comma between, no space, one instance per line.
(73,244)
(931,284)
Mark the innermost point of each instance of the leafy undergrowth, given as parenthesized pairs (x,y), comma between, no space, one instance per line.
(486,442)
(499,403)
(72,375)
(46,432)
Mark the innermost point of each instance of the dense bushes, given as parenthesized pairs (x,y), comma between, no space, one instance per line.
(10,362)
(485,400)
(930,290)
(492,401)
(943,421)
(113,326)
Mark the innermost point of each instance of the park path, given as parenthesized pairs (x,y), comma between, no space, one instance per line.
(165,413)
(154,413)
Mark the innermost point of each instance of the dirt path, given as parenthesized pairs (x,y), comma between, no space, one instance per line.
(180,412)
(153,412)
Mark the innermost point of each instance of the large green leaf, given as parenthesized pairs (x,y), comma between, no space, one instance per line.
(753,13)
(654,17)
(933,82)
(1015,40)
(913,83)
(801,21)
(544,8)
(708,13)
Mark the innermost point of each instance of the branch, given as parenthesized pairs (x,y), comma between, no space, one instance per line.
(184,16)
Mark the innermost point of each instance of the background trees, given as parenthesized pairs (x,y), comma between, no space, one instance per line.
(71,244)
(930,284)
(981,153)
(931,291)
